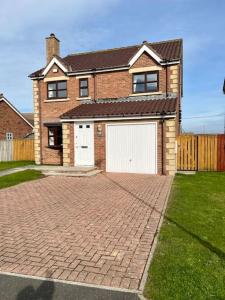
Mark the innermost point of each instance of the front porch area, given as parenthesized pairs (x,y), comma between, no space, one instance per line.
(67,171)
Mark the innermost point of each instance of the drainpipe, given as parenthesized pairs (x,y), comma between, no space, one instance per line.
(94,77)
(162,141)
(166,66)
(40,120)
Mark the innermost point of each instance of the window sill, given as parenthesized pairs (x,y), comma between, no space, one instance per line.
(145,94)
(57,100)
(55,147)
(83,98)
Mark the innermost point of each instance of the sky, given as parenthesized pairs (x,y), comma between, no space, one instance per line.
(86,25)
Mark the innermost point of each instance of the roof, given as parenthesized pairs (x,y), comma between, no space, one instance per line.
(118,57)
(122,109)
(29,122)
(29,117)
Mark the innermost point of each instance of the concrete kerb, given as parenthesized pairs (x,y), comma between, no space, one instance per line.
(15,170)
(155,241)
(16,286)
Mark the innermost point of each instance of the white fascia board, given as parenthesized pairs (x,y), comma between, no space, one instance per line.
(16,111)
(51,63)
(119,118)
(143,49)
(174,62)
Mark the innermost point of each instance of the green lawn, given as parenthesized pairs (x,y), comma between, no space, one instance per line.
(19,177)
(189,261)
(4,165)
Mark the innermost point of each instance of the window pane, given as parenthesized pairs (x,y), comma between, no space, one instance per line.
(51,94)
(139,78)
(84,92)
(139,88)
(83,83)
(62,85)
(50,131)
(55,136)
(62,94)
(152,87)
(59,136)
(51,141)
(152,77)
(51,86)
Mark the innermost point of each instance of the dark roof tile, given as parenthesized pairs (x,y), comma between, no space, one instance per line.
(118,57)
(122,109)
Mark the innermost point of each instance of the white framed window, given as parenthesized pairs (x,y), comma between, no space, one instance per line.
(9,136)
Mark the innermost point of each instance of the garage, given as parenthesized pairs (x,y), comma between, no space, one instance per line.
(131,147)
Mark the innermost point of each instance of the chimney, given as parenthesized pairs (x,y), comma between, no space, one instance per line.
(52,47)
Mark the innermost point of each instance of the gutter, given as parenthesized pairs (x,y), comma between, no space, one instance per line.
(88,119)
(103,70)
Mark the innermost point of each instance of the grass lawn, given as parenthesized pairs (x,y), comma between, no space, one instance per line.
(4,165)
(19,177)
(189,261)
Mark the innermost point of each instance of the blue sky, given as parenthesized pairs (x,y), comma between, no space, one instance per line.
(84,25)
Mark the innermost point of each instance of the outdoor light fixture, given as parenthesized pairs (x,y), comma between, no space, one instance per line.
(99,130)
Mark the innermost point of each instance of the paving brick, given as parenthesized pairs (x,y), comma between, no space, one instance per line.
(66,228)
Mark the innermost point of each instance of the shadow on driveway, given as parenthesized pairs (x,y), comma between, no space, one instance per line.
(44,292)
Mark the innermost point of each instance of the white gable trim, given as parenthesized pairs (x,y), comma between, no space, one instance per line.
(51,63)
(143,49)
(16,111)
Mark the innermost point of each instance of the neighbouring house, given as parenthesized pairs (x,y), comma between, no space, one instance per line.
(117,109)
(14,124)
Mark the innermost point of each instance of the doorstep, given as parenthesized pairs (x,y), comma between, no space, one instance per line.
(68,171)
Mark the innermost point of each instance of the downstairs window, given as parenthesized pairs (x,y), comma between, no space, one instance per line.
(55,136)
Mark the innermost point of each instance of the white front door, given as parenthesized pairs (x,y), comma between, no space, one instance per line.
(131,148)
(84,144)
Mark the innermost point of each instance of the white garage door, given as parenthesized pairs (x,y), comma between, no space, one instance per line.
(131,148)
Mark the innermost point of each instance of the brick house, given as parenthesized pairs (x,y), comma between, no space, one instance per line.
(117,109)
(14,124)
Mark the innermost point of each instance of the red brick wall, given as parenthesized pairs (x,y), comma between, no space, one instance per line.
(100,151)
(144,61)
(10,121)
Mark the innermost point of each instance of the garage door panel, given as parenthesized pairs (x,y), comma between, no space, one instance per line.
(118,142)
(131,148)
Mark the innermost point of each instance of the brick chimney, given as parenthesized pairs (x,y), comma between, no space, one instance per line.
(52,47)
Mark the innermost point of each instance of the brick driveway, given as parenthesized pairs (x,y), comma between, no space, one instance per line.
(95,230)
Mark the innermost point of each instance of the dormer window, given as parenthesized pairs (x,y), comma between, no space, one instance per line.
(146,82)
(57,90)
(83,85)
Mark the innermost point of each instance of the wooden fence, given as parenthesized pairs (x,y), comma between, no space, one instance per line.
(16,150)
(201,153)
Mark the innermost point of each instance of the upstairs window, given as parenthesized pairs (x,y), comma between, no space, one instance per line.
(9,136)
(57,90)
(83,83)
(146,82)
(55,136)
